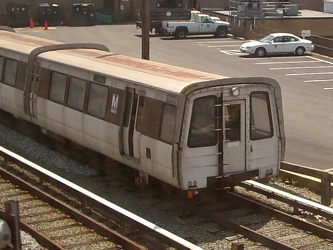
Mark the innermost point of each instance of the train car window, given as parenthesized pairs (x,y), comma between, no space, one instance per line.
(20,76)
(58,87)
(10,72)
(168,123)
(232,115)
(1,67)
(149,117)
(261,117)
(97,100)
(76,93)
(44,83)
(202,127)
(128,109)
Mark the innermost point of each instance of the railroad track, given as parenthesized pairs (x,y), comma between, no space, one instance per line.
(264,231)
(269,226)
(55,224)
(74,220)
(52,227)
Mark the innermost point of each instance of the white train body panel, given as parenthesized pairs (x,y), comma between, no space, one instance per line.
(183,127)
(241,154)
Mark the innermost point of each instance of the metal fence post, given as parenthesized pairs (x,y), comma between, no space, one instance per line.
(12,209)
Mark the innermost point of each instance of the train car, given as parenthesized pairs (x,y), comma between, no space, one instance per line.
(190,129)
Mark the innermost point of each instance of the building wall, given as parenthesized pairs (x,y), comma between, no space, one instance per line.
(66,6)
(251,29)
(121,10)
(317,5)
(126,10)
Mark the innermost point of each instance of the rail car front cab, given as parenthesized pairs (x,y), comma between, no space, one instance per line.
(232,132)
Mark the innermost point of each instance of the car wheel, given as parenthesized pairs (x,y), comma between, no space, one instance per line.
(260,52)
(300,51)
(180,34)
(221,32)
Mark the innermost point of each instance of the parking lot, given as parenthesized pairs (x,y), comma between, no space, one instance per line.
(306,81)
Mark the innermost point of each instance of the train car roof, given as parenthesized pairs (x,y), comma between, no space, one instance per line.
(153,74)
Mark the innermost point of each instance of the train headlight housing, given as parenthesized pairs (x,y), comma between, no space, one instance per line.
(235,91)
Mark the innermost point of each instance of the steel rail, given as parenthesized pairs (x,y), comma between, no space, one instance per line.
(87,197)
(298,223)
(290,199)
(47,242)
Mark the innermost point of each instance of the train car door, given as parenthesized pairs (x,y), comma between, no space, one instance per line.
(234,139)
(264,143)
(128,133)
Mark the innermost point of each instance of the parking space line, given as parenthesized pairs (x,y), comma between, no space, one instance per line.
(315,73)
(208,42)
(305,67)
(320,60)
(231,52)
(267,58)
(325,80)
(287,62)
(219,46)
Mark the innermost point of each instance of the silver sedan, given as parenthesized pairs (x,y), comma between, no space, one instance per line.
(278,43)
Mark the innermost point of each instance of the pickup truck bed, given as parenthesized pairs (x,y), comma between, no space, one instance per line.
(157,16)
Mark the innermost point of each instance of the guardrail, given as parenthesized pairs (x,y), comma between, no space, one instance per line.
(323,45)
(315,179)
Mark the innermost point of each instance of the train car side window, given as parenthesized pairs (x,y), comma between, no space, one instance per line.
(149,117)
(58,87)
(10,72)
(44,83)
(76,93)
(127,109)
(20,76)
(1,67)
(261,117)
(202,127)
(168,123)
(97,100)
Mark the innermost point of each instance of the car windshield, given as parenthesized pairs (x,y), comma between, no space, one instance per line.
(266,39)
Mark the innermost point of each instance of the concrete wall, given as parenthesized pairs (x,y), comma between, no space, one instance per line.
(125,10)
(317,5)
(249,30)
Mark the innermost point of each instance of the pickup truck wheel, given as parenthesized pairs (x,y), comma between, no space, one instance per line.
(180,34)
(221,32)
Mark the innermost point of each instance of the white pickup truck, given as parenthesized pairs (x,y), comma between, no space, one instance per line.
(199,24)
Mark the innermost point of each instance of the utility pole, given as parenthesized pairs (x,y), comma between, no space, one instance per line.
(145,29)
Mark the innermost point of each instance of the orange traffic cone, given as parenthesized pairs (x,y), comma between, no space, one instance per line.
(45,25)
(31,24)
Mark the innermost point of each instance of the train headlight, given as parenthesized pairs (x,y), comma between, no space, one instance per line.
(235,91)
